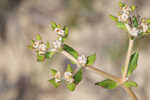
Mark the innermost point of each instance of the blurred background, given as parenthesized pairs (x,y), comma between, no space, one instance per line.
(91,31)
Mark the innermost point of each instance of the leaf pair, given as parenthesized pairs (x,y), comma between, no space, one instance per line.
(110,84)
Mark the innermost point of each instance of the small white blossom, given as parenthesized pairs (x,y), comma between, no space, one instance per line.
(132,31)
(123,17)
(42,48)
(82,60)
(57,77)
(68,77)
(60,31)
(36,44)
(126,10)
(144,27)
(57,44)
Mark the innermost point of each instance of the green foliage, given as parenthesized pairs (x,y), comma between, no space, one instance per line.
(38,37)
(121,25)
(49,54)
(53,72)
(71,51)
(48,45)
(121,4)
(91,59)
(108,84)
(135,22)
(40,58)
(78,76)
(148,21)
(113,18)
(69,68)
(133,7)
(52,81)
(130,84)
(53,25)
(71,86)
(133,63)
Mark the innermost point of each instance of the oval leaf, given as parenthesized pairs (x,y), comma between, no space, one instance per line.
(133,63)
(91,59)
(53,25)
(71,51)
(78,77)
(121,25)
(130,84)
(108,84)
(49,54)
(69,68)
(71,86)
(113,18)
(52,81)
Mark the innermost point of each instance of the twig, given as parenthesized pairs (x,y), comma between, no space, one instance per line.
(131,42)
(130,92)
(102,73)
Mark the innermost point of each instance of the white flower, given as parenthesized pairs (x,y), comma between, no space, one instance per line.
(144,27)
(123,17)
(36,44)
(57,77)
(126,9)
(42,48)
(82,60)
(68,77)
(132,31)
(57,44)
(60,31)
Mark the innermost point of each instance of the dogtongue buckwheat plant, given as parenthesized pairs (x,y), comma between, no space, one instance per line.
(127,20)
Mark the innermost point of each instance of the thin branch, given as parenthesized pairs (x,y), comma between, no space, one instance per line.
(130,92)
(131,42)
(104,74)
(98,71)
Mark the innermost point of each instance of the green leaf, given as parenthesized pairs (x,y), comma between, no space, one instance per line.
(71,86)
(91,59)
(121,25)
(52,81)
(32,41)
(78,76)
(121,4)
(130,84)
(38,37)
(30,47)
(109,84)
(133,7)
(53,25)
(69,68)
(113,18)
(66,30)
(135,22)
(40,58)
(53,72)
(71,51)
(133,63)
(49,54)
(148,21)
(48,45)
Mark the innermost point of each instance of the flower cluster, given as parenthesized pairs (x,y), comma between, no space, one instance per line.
(39,46)
(128,20)
(68,77)
(43,50)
